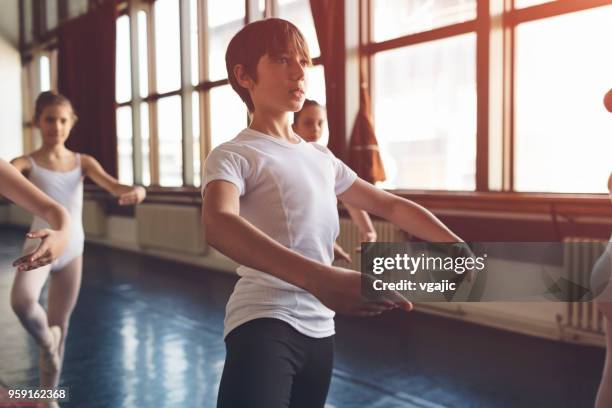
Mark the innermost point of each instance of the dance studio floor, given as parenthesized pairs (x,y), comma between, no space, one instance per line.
(148,333)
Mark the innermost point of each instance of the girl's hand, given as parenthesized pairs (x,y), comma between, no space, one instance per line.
(367,237)
(51,247)
(340,253)
(134,196)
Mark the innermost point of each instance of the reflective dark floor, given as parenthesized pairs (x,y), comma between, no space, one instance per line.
(148,333)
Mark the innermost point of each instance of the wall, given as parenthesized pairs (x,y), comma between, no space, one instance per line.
(10,82)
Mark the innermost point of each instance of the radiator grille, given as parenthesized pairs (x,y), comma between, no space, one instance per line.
(349,239)
(170,227)
(580,255)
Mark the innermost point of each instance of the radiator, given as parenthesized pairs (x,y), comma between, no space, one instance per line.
(582,319)
(170,227)
(94,218)
(349,239)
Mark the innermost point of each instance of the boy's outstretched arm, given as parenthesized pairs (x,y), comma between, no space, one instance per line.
(337,288)
(406,214)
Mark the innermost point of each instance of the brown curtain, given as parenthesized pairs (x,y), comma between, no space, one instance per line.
(86,75)
(364,155)
(328,16)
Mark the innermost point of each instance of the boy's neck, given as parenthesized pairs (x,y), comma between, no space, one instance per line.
(275,125)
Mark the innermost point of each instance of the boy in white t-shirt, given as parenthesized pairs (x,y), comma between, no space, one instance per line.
(270,203)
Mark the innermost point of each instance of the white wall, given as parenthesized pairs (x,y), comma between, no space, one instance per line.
(9,21)
(11,138)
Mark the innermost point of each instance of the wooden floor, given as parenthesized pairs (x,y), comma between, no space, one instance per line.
(148,333)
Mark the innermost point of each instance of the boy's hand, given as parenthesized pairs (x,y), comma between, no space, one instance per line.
(340,290)
(51,247)
(463,250)
(134,196)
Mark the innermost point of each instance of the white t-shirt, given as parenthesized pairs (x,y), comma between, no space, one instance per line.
(289,192)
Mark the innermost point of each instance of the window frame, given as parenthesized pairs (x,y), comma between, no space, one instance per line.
(495,72)
(495,96)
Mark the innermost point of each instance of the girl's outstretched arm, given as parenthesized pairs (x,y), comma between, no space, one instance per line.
(361,218)
(127,195)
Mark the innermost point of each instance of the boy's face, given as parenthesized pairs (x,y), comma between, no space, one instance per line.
(310,123)
(281,83)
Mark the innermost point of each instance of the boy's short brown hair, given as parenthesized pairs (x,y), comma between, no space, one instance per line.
(272,36)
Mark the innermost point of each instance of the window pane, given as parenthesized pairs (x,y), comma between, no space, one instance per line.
(195,77)
(145,142)
(527,3)
(123,79)
(228,115)
(170,141)
(425,114)
(124,144)
(395,18)
(316,91)
(143,55)
(51,10)
(45,74)
(562,131)
(261,10)
(196,139)
(167,45)
(316,84)
(298,12)
(225,18)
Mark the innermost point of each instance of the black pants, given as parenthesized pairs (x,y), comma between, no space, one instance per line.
(269,364)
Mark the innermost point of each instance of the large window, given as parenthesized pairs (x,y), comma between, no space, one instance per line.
(425,95)
(395,18)
(467,95)
(464,100)
(426,114)
(175,109)
(563,136)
